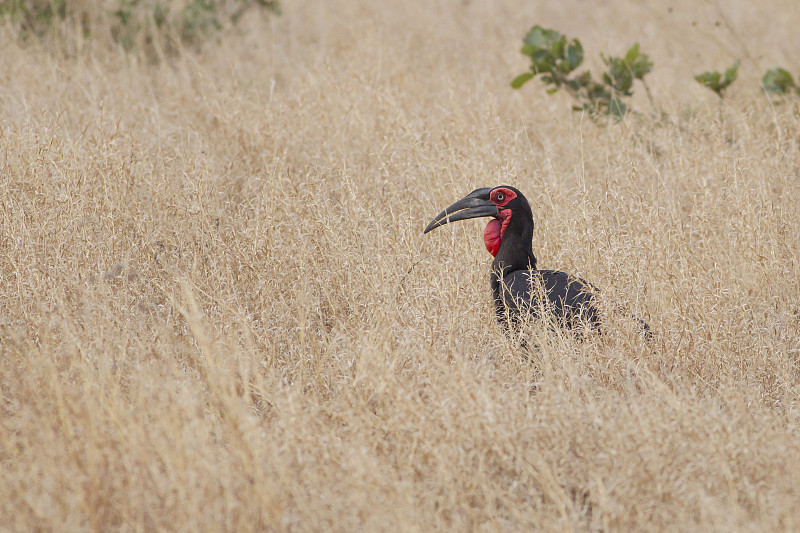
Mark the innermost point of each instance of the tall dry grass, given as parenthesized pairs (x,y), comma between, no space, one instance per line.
(218,312)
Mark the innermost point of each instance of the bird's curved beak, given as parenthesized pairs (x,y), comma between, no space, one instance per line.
(475,204)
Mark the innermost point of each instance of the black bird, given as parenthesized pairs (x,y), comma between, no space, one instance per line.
(518,287)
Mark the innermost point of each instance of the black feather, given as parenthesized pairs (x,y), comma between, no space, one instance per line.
(523,293)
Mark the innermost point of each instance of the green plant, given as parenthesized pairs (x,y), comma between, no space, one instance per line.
(717,81)
(35,17)
(159,27)
(554,58)
(779,81)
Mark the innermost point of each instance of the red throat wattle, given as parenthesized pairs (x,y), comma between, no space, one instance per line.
(493,234)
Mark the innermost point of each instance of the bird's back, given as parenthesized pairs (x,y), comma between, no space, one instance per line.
(529,292)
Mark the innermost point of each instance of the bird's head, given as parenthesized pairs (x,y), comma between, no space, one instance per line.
(503,204)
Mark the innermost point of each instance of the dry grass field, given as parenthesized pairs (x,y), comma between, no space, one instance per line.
(218,311)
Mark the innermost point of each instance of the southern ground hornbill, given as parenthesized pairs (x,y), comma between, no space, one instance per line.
(518,287)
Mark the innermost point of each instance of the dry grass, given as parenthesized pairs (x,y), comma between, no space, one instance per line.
(218,311)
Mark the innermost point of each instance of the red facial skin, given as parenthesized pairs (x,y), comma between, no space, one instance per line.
(493,234)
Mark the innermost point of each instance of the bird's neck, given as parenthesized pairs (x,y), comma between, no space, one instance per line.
(515,253)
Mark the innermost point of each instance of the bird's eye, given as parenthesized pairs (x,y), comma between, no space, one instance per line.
(499,197)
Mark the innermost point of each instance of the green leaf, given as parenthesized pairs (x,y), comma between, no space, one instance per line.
(558,47)
(541,56)
(596,91)
(542,66)
(730,74)
(716,81)
(641,66)
(538,37)
(710,80)
(619,74)
(574,55)
(777,80)
(527,50)
(632,54)
(520,80)
(617,108)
